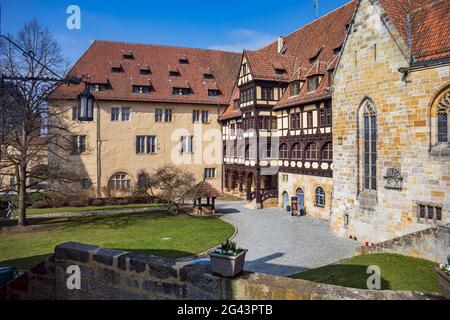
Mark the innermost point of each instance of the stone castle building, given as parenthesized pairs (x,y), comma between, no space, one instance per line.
(390,130)
(344,119)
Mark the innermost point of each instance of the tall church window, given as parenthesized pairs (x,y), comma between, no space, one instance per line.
(442,118)
(370,147)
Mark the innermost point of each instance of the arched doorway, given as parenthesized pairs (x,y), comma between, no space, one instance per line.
(301,202)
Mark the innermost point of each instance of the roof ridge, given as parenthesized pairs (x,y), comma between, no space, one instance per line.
(163,45)
(318,19)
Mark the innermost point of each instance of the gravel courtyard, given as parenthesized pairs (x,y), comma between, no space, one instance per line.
(283,245)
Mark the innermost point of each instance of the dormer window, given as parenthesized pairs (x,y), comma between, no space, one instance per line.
(98,87)
(183,60)
(145,72)
(174,73)
(117,69)
(313,83)
(128,56)
(181,91)
(296,86)
(142,89)
(214,93)
(337,50)
(280,71)
(208,76)
(315,55)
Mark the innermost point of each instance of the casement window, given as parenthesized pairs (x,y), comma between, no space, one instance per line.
(181,91)
(312,151)
(295,88)
(327,152)
(214,93)
(313,83)
(163,115)
(429,213)
(168,115)
(196,116)
(264,123)
(310,119)
(78,144)
(126,114)
(145,144)
(284,151)
(297,152)
(141,89)
(296,121)
(99,87)
(120,114)
(86,183)
(328,117)
(320,197)
(187,144)
(269,152)
(210,173)
(120,181)
(205,116)
(267,93)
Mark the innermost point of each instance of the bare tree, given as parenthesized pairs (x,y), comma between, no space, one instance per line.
(31,128)
(171,185)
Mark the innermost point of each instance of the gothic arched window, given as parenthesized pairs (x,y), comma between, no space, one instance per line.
(370,137)
(320,197)
(443,111)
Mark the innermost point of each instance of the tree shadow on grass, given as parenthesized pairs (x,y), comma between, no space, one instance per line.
(352,276)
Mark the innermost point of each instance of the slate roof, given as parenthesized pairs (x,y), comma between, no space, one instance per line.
(98,60)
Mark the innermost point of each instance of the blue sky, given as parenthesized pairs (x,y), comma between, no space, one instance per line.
(227,25)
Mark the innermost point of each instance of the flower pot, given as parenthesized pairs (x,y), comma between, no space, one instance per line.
(444,281)
(228,266)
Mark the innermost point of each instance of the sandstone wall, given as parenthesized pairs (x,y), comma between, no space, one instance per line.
(405,108)
(431,244)
(118,275)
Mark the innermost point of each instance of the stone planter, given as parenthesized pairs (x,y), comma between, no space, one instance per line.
(228,266)
(444,281)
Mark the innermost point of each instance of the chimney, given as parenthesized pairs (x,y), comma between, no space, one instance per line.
(280,44)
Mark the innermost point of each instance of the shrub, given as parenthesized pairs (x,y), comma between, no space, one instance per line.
(35,197)
(77,204)
(40,204)
(97,202)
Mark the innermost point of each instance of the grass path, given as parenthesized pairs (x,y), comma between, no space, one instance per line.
(155,233)
(397,273)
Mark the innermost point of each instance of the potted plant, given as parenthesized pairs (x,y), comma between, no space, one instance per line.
(228,260)
(444,278)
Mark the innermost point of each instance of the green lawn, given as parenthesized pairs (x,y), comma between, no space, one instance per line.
(397,272)
(155,233)
(32,212)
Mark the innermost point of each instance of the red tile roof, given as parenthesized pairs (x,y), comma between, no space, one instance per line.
(429,26)
(430,31)
(98,59)
(231,112)
(263,65)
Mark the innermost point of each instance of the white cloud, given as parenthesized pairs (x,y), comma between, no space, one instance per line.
(239,39)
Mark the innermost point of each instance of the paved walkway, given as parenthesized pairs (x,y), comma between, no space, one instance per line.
(283,245)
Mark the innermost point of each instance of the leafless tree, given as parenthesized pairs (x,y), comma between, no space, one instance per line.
(29,127)
(171,185)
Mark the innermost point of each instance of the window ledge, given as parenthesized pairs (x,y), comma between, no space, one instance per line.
(319,206)
(440,150)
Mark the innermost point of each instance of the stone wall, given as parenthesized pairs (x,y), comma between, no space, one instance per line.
(431,244)
(37,284)
(405,108)
(119,275)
